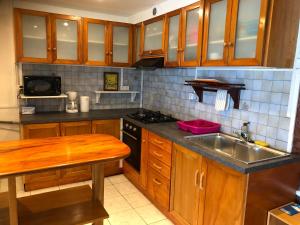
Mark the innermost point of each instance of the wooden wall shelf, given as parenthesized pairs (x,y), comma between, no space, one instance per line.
(234,90)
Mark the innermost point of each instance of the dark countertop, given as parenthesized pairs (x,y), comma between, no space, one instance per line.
(166,130)
(56,117)
(171,132)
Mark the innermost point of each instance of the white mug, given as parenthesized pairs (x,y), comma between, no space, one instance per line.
(84,103)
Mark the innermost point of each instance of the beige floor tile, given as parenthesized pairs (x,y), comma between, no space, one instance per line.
(129,217)
(61,187)
(117,179)
(40,191)
(116,205)
(105,222)
(150,214)
(126,188)
(111,192)
(137,199)
(3,185)
(163,222)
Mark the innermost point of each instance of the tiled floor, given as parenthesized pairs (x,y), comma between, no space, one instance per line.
(125,204)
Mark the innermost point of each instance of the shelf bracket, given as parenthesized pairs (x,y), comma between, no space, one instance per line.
(133,96)
(98,97)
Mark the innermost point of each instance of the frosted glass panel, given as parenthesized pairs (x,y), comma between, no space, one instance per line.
(120,44)
(96,42)
(191,36)
(66,36)
(137,43)
(173,38)
(216,36)
(153,36)
(34,36)
(247,28)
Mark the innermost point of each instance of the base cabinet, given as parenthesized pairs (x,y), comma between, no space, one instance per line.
(69,175)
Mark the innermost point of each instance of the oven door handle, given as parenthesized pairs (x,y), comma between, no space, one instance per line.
(129,135)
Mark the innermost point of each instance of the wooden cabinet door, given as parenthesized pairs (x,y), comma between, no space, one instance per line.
(66,39)
(136,55)
(191,34)
(45,179)
(80,173)
(111,127)
(95,42)
(153,36)
(186,173)
(225,195)
(247,32)
(120,44)
(33,36)
(173,39)
(216,32)
(144,159)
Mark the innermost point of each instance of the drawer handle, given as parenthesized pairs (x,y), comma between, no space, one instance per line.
(196,178)
(157,142)
(156,166)
(156,181)
(201,186)
(157,154)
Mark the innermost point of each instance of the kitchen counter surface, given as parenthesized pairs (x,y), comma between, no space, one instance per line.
(56,117)
(171,132)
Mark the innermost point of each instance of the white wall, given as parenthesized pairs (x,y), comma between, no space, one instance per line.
(8,78)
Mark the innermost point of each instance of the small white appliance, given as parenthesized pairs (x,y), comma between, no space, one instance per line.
(28,110)
(84,103)
(72,105)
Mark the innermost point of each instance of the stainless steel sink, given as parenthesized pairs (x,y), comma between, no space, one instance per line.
(232,147)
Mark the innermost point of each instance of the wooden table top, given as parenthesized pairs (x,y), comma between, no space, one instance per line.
(34,155)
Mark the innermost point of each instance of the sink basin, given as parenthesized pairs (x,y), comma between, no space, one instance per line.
(232,147)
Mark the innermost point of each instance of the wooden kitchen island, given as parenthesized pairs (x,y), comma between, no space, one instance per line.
(79,205)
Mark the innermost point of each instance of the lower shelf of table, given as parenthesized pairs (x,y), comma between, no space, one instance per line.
(73,206)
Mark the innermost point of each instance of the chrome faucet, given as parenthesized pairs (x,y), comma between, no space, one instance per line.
(244,135)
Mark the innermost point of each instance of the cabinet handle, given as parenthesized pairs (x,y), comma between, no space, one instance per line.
(225,44)
(196,177)
(156,181)
(49,49)
(157,142)
(144,141)
(156,166)
(111,53)
(54,49)
(157,154)
(230,44)
(107,53)
(201,181)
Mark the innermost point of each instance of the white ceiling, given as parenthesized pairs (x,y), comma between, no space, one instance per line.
(114,7)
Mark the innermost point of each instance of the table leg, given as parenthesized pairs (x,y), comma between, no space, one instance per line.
(12,200)
(98,184)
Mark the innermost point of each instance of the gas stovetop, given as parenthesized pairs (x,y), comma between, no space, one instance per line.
(148,116)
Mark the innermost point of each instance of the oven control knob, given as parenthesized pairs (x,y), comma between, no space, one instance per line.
(130,127)
(134,129)
(126,125)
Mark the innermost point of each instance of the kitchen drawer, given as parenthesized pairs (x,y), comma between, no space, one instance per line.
(159,167)
(158,188)
(160,154)
(160,142)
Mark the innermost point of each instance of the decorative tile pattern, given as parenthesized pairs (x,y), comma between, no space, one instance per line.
(263,103)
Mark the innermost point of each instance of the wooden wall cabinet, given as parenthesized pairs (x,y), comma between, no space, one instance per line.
(153,36)
(188,170)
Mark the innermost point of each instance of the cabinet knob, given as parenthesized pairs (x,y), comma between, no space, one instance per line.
(150,52)
(230,44)
(111,53)
(225,44)
(49,49)
(54,49)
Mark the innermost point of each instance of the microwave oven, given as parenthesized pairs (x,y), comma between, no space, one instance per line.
(41,85)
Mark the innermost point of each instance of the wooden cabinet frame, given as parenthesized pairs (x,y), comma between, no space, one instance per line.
(130,38)
(153,51)
(86,60)
(135,47)
(167,34)
(19,37)
(257,60)
(79,39)
(185,10)
(205,60)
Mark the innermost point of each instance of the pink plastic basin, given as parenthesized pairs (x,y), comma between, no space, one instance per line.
(199,126)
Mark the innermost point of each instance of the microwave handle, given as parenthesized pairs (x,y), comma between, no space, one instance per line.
(58,83)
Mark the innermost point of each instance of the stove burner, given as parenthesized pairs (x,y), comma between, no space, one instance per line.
(148,116)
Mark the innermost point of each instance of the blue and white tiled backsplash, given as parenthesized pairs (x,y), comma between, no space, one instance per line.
(264,102)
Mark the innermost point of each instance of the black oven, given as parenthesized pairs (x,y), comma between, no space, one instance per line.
(42,85)
(132,137)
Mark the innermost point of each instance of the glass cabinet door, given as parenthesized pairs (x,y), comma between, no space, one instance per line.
(192,20)
(67,39)
(172,38)
(153,36)
(247,32)
(33,42)
(95,42)
(216,32)
(121,44)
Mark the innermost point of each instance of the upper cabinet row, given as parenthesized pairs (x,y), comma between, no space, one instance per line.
(52,38)
(206,33)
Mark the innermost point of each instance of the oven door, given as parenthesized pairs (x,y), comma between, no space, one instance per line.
(134,159)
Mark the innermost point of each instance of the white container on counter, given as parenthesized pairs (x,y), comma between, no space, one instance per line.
(84,103)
